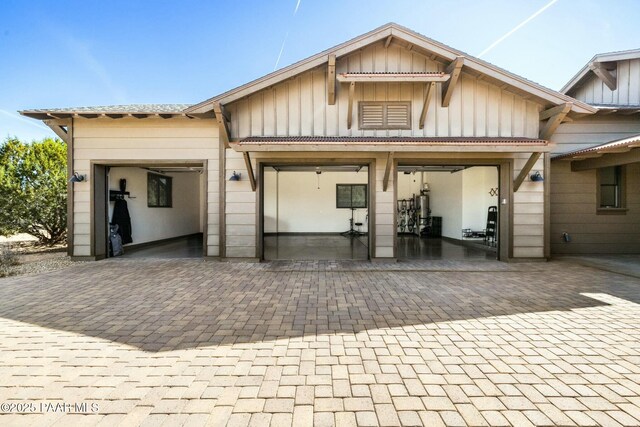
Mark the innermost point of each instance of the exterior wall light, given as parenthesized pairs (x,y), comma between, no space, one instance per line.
(536,176)
(76,177)
(235,176)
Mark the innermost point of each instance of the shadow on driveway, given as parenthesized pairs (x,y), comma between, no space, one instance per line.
(163,305)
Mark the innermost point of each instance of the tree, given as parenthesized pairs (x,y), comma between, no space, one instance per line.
(33,189)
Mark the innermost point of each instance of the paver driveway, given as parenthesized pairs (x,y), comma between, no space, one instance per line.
(173,342)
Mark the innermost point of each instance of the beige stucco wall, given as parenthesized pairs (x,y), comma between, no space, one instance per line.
(120,141)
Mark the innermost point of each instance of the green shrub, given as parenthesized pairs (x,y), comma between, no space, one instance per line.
(8,259)
(33,189)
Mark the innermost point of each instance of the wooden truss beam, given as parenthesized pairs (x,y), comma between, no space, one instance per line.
(387,42)
(555,116)
(331,80)
(427,99)
(252,177)
(392,77)
(612,159)
(453,70)
(603,74)
(60,127)
(525,171)
(223,123)
(352,90)
(387,171)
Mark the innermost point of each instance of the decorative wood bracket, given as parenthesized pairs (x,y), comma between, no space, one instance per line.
(525,171)
(223,123)
(453,70)
(60,127)
(555,116)
(252,177)
(331,80)
(387,42)
(352,90)
(387,171)
(427,99)
(604,74)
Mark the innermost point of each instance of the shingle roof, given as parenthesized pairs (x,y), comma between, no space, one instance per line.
(366,140)
(631,142)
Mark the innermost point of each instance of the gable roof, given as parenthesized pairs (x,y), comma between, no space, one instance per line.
(418,41)
(600,57)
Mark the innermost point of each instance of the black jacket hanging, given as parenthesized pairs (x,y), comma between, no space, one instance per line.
(121,217)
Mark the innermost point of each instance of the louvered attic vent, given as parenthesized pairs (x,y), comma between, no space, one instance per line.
(385,115)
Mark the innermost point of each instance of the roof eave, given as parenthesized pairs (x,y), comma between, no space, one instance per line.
(379,34)
(430,148)
(56,115)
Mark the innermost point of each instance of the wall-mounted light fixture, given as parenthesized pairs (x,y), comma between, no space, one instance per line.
(536,176)
(235,176)
(76,177)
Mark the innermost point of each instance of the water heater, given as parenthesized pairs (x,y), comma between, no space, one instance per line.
(424,206)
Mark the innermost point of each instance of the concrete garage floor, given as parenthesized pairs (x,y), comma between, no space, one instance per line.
(433,248)
(182,247)
(315,247)
(189,342)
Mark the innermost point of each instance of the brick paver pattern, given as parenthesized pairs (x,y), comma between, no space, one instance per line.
(191,342)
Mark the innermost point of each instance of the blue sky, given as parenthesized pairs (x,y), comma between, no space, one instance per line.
(79,53)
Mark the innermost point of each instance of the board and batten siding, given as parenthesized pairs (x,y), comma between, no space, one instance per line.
(627,91)
(299,107)
(573,211)
(109,141)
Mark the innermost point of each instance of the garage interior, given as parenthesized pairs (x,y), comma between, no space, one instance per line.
(447,212)
(318,212)
(166,210)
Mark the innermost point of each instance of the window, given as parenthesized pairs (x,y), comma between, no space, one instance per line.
(385,115)
(351,196)
(159,191)
(611,188)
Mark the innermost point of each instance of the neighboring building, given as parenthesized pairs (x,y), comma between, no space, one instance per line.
(391,109)
(595,169)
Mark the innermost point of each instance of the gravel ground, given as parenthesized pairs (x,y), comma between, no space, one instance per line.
(34,259)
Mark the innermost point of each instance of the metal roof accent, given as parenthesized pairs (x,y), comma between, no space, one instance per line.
(631,142)
(365,140)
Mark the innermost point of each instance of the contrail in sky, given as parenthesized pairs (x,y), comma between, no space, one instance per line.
(520,25)
(16,116)
(275,67)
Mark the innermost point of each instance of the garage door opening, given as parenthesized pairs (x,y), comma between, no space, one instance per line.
(447,212)
(158,211)
(318,212)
